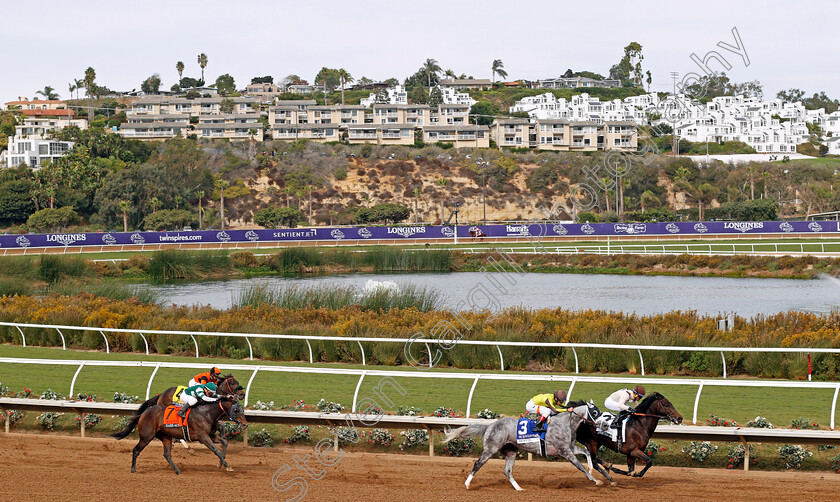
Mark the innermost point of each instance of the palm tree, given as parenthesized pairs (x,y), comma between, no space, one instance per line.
(80,83)
(202,62)
(90,90)
(71,87)
(431,67)
(124,207)
(221,185)
(345,77)
(155,203)
(48,93)
(498,68)
(649,198)
(179,66)
(450,74)
(200,195)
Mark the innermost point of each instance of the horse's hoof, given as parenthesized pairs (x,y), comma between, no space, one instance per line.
(613,483)
(229,469)
(598,482)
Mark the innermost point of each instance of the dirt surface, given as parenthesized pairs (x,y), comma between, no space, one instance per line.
(40,467)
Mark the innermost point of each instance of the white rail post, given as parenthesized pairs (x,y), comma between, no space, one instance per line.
(697,402)
(746,453)
(501,359)
(250,349)
(356,394)
(22,335)
(577,369)
(63,345)
(469,399)
(642,360)
(834,404)
(196,345)
(723,359)
(571,389)
(151,378)
(429,350)
(75,376)
(6,418)
(363,352)
(107,347)
(248,387)
(145,342)
(310,350)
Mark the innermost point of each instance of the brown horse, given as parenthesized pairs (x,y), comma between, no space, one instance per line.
(202,423)
(639,429)
(226,386)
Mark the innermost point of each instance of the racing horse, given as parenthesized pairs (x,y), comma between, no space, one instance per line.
(500,436)
(639,429)
(226,386)
(202,423)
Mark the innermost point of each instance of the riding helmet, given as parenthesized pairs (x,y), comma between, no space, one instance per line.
(639,390)
(560,396)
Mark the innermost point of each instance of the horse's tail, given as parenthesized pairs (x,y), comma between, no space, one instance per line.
(132,424)
(466,432)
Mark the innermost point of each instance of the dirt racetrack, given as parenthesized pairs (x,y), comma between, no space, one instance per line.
(41,467)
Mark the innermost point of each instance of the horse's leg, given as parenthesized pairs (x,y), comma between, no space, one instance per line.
(224,443)
(569,454)
(597,466)
(488,452)
(206,441)
(637,453)
(145,438)
(167,451)
(510,458)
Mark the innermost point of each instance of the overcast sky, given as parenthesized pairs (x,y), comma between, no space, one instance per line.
(789,45)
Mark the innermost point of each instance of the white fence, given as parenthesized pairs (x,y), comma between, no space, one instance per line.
(424,341)
(475,377)
(710,249)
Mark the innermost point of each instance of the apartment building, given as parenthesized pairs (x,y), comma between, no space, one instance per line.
(451,114)
(36,104)
(162,117)
(564,135)
(230,126)
(34,152)
(381,134)
(511,132)
(314,132)
(264,92)
(464,84)
(39,127)
(397,95)
(460,136)
(576,82)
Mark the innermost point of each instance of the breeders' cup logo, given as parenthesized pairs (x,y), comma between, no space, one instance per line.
(672,228)
(222,236)
(252,236)
(587,229)
(743,226)
(517,230)
(365,233)
(448,231)
(337,234)
(560,229)
(815,227)
(786,227)
(630,228)
(136,238)
(22,242)
(406,231)
(109,239)
(700,228)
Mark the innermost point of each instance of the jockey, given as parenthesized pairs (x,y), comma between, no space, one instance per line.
(204,378)
(197,394)
(618,400)
(546,405)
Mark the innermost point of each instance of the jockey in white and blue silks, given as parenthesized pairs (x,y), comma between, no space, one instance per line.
(617,402)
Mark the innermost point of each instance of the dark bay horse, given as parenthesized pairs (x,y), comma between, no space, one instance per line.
(226,386)
(500,436)
(202,424)
(639,429)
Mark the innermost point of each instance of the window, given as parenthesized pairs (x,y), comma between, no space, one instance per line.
(43,149)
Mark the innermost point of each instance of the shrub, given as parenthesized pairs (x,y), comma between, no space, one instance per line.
(279,217)
(793,455)
(85,397)
(259,405)
(53,220)
(487,414)
(587,216)
(230,430)
(122,397)
(803,423)
(325,406)
(381,437)
(299,433)
(835,463)
(653,448)
(122,423)
(345,435)
(417,437)
(760,423)
(262,438)
(170,219)
(458,447)
(91,420)
(699,450)
(47,419)
(410,411)
(340,174)
(715,421)
(736,455)
(443,411)
(50,394)
(3,389)
(52,268)
(13,416)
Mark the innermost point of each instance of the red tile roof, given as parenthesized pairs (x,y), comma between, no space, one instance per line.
(35,102)
(47,113)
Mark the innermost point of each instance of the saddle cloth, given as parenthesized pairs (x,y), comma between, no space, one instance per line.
(171,418)
(176,397)
(525,432)
(603,426)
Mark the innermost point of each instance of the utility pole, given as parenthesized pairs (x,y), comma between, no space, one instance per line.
(676,147)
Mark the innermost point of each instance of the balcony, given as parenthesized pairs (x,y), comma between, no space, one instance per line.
(366,135)
(391,135)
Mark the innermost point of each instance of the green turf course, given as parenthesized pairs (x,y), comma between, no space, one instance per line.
(780,406)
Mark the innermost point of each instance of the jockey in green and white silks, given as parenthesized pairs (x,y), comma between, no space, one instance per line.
(197,394)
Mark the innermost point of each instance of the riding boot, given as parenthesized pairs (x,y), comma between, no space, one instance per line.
(183,411)
(619,419)
(541,425)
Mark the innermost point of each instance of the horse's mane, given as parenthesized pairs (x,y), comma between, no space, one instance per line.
(647,402)
(575,404)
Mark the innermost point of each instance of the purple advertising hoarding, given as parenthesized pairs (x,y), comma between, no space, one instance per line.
(529,230)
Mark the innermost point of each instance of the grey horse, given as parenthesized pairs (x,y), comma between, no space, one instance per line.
(559,441)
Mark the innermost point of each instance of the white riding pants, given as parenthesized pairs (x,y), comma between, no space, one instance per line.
(189,400)
(612,405)
(541,410)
